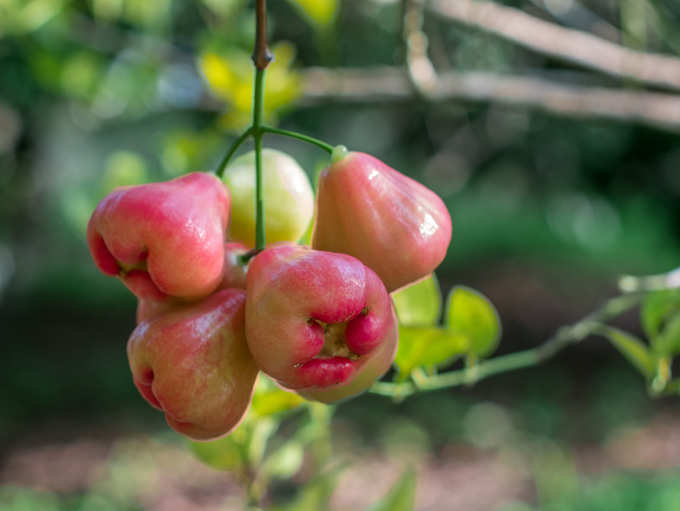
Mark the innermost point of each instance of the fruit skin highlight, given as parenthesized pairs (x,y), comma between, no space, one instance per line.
(318,322)
(193,364)
(288,197)
(234,277)
(393,224)
(163,239)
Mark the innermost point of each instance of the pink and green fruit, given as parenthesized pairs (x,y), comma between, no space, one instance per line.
(393,224)
(163,239)
(288,197)
(318,322)
(193,364)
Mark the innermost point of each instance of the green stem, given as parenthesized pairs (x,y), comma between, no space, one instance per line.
(237,143)
(522,359)
(293,134)
(257,134)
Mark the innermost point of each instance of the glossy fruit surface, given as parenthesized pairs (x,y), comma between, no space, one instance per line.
(318,322)
(193,364)
(234,277)
(163,238)
(288,197)
(393,224)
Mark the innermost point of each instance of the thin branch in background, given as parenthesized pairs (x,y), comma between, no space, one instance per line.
(565,336)
(576,15)
(567,44)
(391,84)
(420,70)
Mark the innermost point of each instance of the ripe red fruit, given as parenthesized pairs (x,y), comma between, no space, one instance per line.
(393,224)
(193,364)
(234,278)
(163,238)
(318,322)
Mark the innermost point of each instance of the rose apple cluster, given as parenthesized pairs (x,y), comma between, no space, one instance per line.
(212,312)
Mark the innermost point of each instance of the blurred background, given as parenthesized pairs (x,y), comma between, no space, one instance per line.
(551,128)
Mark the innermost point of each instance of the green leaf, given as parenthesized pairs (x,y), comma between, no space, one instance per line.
(222,454)
(471,314)
(419,304)
(658,313)
(426,346)
(269,399)
(668,341)
(401,496)
(656,307)
(633,349)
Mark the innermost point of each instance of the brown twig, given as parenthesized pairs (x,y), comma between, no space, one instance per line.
(261,54)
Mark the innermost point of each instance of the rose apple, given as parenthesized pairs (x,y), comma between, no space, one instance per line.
(318,322)
(234,277)
(163,238)
(288,197)
(193,364)
(393,224)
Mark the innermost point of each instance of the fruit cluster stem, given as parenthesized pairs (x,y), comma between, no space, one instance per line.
(257,135)
(261,58)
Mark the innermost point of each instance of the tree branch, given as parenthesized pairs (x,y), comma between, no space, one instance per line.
(564,337)
(390,84)
(421,72)
(567,44)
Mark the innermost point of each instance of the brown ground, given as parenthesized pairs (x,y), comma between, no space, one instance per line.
(163,476)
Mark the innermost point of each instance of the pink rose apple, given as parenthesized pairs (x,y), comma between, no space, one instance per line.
(391,223)
(193,364)
(318,322)
(163,238)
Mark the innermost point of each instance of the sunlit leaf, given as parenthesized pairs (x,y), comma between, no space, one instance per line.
(230,77)
(270,399)
(471,314)
(319,12)
(419,304)
(427,346)
(401,496)
(275,401)
(633,349)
